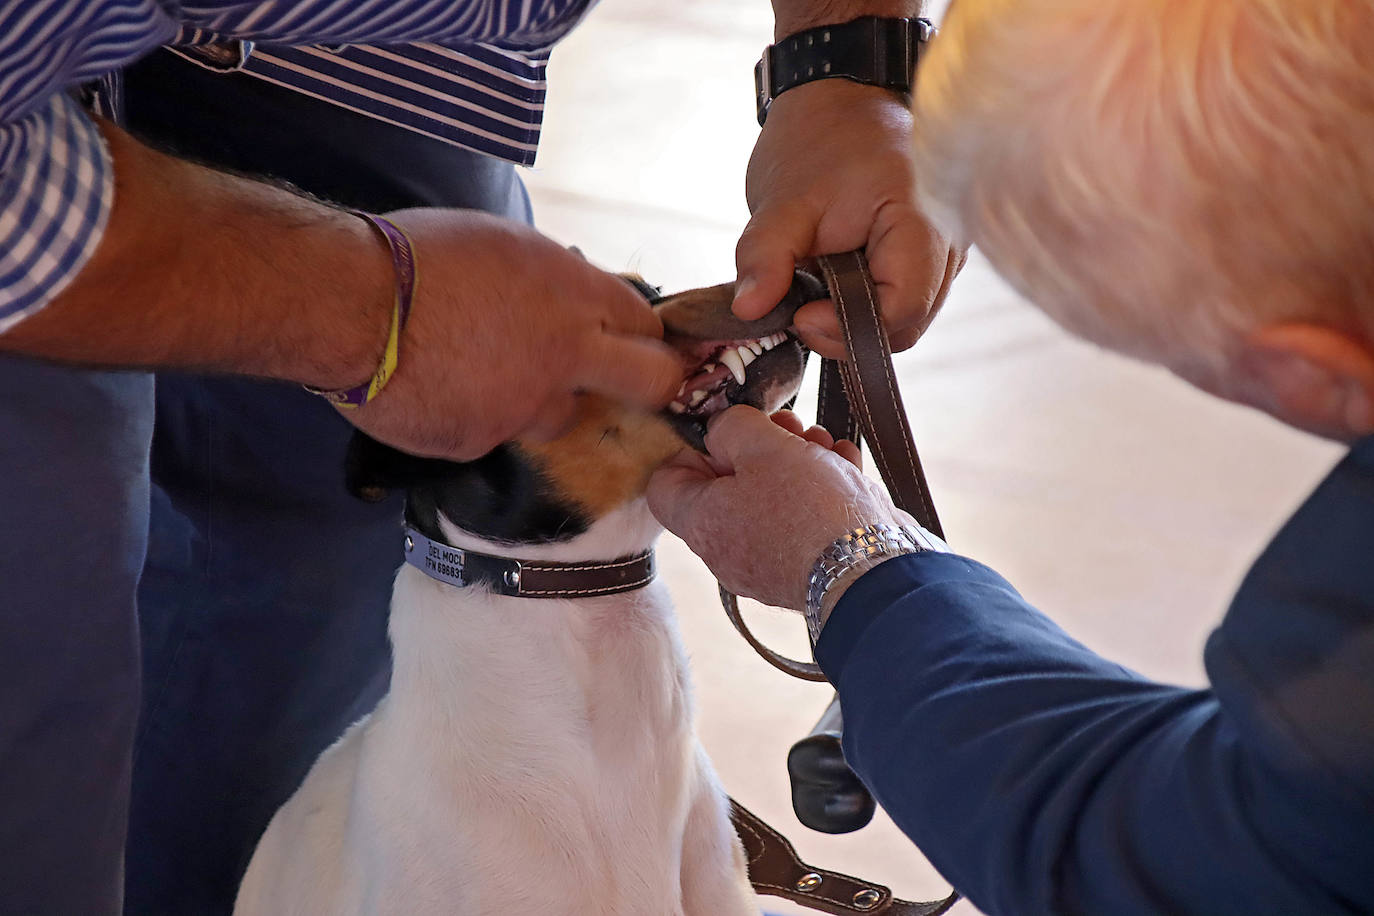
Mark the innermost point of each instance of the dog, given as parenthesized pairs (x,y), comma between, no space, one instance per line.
(536,756)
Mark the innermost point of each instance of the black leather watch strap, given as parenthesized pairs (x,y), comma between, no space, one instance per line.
(873,50)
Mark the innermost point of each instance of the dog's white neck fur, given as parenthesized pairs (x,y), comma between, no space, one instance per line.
(533,756)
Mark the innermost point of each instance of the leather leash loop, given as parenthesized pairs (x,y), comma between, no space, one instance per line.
(858,398)
(871,384)
(806,671)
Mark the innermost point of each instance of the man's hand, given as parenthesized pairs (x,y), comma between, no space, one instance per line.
(507,328)
(766,502)
(211,272)
(831,172)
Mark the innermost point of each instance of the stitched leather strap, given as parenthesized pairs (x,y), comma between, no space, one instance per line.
(859,397)
(832,404)
(776,870)
(871,384)
(526,578)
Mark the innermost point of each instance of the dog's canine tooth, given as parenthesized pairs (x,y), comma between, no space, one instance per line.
(730,359)
(746,355)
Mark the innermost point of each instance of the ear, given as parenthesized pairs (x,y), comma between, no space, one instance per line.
(501,496)
(372,470)
(1313,377)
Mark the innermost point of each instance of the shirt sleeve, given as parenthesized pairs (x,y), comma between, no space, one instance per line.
(56,186)
(56,191)
(1039,777)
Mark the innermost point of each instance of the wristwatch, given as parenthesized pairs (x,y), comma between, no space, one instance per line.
(857,551)
(873,50)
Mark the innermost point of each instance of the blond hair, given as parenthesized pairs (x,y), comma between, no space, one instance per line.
(1193,166)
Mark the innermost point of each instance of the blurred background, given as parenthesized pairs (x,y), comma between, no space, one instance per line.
(1117,499)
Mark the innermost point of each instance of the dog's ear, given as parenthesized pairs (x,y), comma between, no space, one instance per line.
(645,288)
(372,470)
(502,496)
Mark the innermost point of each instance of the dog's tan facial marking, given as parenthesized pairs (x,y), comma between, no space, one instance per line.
(606,460)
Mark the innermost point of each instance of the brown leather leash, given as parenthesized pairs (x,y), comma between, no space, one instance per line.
(858,399)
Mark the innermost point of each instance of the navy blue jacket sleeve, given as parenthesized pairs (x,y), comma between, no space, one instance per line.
(1039,777)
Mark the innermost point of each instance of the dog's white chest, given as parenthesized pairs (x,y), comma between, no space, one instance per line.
(531,757)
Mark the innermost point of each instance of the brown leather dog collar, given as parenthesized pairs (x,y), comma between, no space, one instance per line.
(526,578)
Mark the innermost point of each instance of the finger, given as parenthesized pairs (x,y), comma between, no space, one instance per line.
(849,452)
(676,488)
(904,340)
(627,312)
(789,421)
(820,436)
(555,418)
(909,287)
(953,266)
(819,329)
(743,433)
(636,370)
(776,238)
(909,260)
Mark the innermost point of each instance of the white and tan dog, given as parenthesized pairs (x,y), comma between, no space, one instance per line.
(534,756)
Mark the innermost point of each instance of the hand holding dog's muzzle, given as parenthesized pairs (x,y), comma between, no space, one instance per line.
(506,330)
(765,501)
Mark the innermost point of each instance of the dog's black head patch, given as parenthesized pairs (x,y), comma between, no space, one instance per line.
(501,496)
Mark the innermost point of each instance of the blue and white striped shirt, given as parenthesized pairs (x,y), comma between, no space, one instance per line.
(468,72)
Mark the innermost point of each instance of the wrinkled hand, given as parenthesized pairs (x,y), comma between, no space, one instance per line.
(770,497)
(506,329)
(832,171)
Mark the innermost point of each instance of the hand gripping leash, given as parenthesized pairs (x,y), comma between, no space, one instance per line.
(858,400)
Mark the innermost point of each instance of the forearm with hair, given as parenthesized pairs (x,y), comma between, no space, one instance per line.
(202,270)
(791,16)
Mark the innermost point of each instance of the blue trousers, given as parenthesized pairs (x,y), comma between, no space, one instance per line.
(191,605)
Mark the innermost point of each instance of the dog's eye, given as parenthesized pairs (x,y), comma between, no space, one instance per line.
(371,494)
(646,289)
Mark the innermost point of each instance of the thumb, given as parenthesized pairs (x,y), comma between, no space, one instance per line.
(776,238)
(741,434)
(677,487)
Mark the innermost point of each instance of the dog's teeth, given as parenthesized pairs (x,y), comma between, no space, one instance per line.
(767,342)
(697,397)
(730,359)
(756,347)
(746,355)
(709,367)
(675,407)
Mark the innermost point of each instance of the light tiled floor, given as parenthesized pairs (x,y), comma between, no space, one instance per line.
(1121,501)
